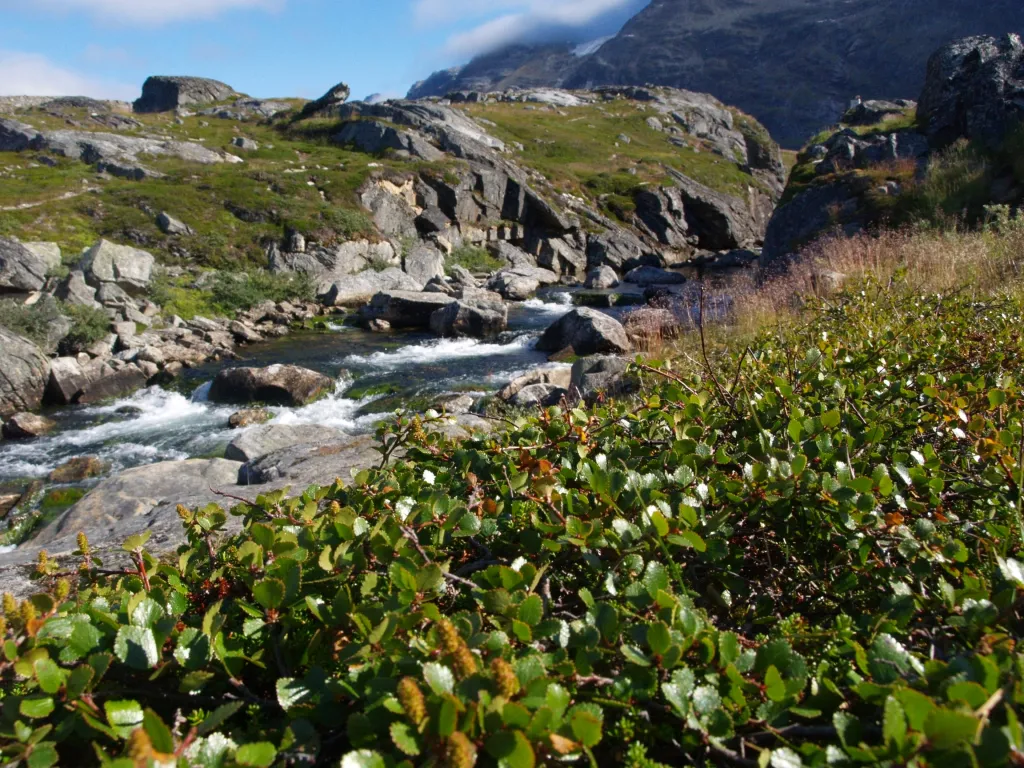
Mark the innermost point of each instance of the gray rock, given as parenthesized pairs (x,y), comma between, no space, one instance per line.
(358,290)
(243,333)
(249,417)
(258,442)
(327,265)
(128,268)
(593,375)
(520,283)
(166,94)
(543,395)
(560,377)
(654,276)
(23,372)
(974,89)
(477,320)
(432,220)
(17,137)
(305,465)
(287,385)
(803,219)
(462,276)
(172,226)
(424,263)
(392,213)
(22,269)
(601,278)
(375,138)
(331,100)
(21,426)
(454,404)
(109,384)
(75,290)
(112,295)
(588,332)
(875,111)
(245,144)
(619,249)
(403,309)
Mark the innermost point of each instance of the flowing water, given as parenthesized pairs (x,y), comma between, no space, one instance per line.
(375,374)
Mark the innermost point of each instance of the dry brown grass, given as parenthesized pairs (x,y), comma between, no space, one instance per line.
(982,263)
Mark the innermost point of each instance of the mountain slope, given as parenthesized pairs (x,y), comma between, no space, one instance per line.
(793,64)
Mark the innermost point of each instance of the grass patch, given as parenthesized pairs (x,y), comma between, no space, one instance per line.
(474,258)
(228,293)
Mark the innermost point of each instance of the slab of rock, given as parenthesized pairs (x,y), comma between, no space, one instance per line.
(162,93)
(78,469)
(23,373)
(75,290)
(22,426)
(110,384)
(262,441)
(333,99)
(403,309)
(375,137)
(654,276)
(543,395)
(599,374)
(23,269)
(588,332)
(357,290)
(286,385)
(16,136)
(302,466)
(520,283)
(128,268)
(172,226)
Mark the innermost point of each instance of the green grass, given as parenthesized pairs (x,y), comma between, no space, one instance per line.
(229,293)
(474,258)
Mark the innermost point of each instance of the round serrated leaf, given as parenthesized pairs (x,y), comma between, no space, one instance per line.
(260,754)
(511,749)
(362,758)
(269,593)
(43,755)
(405,738)
(49,675)
(36,707)
(124,716)
(440,679)
(136,647)
(586,721)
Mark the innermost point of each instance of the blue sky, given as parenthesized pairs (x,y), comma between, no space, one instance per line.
(106,48)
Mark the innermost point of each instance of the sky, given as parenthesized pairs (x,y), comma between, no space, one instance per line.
(266,48)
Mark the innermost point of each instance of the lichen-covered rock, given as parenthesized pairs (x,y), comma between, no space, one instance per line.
(404,309)
(161,93)
(588,332)
(21,426)
(130,269)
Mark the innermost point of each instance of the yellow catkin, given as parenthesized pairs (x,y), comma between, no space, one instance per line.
(3,627)
(464,661)
(450,637)
(140,748)
(28,613)
(459,751)
(183,512)
(63,590)
(504,678)
(10,605)
(411,698)
(334,508)
(83,544)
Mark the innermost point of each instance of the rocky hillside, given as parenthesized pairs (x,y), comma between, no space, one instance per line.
(953,158)
(793,64)
(157,239)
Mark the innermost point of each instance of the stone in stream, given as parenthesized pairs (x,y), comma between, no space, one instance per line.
(476,319)
(262,441)
(23,372)
(22,426)
(79,469)
(404,309)
(601,278)
(588,332)
(287,385)
(559,377)
(249,417)
(654,276)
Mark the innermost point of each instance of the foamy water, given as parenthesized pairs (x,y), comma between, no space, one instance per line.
(439,351)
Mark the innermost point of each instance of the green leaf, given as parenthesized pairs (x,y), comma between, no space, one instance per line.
(260,754)
(147,613)
(586,722)
(405,738)
(916,706)
(124,716)
(136,647)
(159,734)
(729,647)
(1012,570)
(531,610)
(659,638)
(706,700)
(136,542)
(690,540)
(774,685)
(848,728)
(831,420)
(440,679)
(84,638)
(635,656)
(511,749)
(894,724)
(44,755)
(972,694)
(888,660)
(36,707)
(218,717)
(947,729)
(269,593)
(362,758)
(49,675)
(293,693)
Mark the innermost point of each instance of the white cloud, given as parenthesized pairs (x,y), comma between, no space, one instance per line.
(30,74)
(98,54)
(147,12)
(521,19)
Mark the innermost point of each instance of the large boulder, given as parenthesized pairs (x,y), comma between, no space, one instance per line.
(543,395)
(23,371)
(477,319)
(333,99)
(17,137)
(261,441)
(24,268)
(559,377)
(974,89)
(301,466)
(599,374)
(357,290)
(601,279)
(520,283)
(620,250)
(587,332)
(424,263)
(162,93)
(286,385)
(375,138)
(74,289)
(403,309)
(128,268)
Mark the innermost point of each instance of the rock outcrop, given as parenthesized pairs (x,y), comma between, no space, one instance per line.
(24,269)
(23,372)
(286,385)
(586,332)
(262,441)
(162,93)
(107,263)
(22,426)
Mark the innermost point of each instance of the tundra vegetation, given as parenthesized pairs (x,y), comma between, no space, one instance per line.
(800,548)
